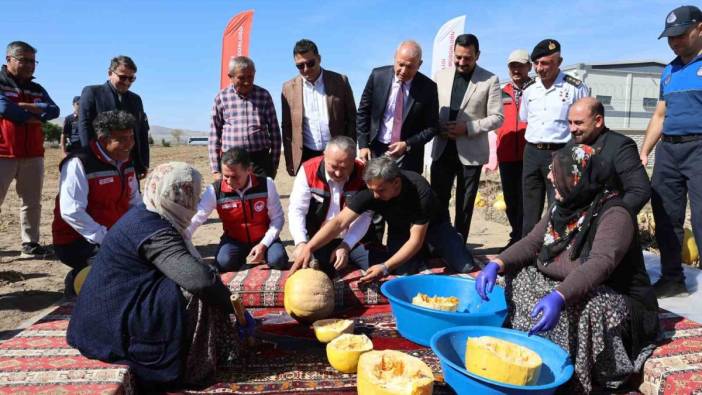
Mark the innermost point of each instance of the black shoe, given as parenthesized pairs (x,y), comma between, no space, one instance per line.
(665,288)
(34,250)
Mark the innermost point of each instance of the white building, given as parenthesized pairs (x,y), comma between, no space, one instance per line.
(628,90)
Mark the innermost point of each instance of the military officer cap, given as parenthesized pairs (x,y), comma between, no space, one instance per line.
(546,47)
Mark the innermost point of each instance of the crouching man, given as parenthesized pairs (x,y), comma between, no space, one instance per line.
(415,220)
(322,188)
(251,214)
(97,186)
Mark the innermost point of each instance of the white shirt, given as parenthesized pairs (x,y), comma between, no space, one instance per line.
(385,134)
(73,199)
(300,203)
(208,203)
(315,118)
(546,110)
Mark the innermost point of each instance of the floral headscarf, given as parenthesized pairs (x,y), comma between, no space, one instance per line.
(172,190)
(578,176)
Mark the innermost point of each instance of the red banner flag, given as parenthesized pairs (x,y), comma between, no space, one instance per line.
(235,41)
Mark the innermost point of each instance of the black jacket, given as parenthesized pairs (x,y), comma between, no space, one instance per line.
(421,118)
(627,175)
(98,98)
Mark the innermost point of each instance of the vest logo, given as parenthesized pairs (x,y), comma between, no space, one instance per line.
(107,180)
(230,205)
(259,206)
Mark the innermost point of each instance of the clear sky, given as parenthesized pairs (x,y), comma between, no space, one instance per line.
(177,43)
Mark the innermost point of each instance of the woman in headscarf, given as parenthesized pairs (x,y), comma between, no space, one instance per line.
(149,300)
(578,278)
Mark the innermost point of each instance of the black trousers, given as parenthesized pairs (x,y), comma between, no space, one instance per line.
(262,163)
(535,185)
(308,154)
(511,178)
(443,171)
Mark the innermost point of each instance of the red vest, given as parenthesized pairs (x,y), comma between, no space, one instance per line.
(510,136)
(317,181)
(20,140)
(108,193)
(244,217)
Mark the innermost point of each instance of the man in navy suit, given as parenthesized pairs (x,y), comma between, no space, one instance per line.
(397,124)
(115,95)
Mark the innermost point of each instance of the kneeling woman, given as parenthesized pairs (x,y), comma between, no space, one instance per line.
(149,300)
(579,278)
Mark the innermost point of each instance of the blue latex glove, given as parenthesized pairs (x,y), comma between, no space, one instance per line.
(248,330)
(550,306)
(486,280)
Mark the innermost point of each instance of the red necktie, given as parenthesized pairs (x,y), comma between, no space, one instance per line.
(397,115)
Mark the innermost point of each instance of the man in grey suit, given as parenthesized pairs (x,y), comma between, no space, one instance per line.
(469,107)
(115,95)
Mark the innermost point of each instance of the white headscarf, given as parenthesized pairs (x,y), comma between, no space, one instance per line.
(172,190)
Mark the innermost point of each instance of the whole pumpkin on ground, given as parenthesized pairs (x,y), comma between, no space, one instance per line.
(308,295)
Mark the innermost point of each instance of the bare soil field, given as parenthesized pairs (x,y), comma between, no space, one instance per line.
(28,287)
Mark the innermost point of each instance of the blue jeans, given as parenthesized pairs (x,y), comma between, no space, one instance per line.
(441,238)
(358,256)
(231,255)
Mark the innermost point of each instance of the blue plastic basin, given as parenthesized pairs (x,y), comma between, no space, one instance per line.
(450,346)
(419,324)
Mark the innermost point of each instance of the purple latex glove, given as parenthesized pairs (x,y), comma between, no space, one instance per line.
(486,280)
(248,330)
(550,306)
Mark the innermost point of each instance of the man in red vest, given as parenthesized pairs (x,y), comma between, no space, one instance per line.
(511,142)
(251,214)
(24,104)
(97,186)
(322,187)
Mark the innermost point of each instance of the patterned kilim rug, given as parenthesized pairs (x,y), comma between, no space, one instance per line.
(288,358)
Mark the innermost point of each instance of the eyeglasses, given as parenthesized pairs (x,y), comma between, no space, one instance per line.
(25,60)
(310,63)
(125,78)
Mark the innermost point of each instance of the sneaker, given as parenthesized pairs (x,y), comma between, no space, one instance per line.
(665,288)
(34,250)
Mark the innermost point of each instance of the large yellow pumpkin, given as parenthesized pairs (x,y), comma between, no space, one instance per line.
(391,372)
(309,295)
(502,361)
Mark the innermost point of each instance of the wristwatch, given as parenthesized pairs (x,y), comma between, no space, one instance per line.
(385,269)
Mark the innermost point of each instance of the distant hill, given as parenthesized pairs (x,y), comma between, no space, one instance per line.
(157,132)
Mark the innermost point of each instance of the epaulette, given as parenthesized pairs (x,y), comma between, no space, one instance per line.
(528,83)
(572,80)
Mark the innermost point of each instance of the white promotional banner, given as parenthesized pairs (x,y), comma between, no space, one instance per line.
(442,57)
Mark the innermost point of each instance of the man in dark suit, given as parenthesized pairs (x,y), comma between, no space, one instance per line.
(115,95)
(627,175)
(398,124)
(317,105)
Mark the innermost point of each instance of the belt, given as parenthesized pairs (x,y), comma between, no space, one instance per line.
(681,139)
(547,146)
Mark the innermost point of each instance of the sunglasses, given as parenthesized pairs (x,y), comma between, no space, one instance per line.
(125,78)
(25,60)
(310,63)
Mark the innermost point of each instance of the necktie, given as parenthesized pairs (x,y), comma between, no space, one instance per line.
(397,115)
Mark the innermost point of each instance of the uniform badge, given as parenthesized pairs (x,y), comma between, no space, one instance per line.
(551,46)
(107,180)
(699,72)
(671,18)
(259,206)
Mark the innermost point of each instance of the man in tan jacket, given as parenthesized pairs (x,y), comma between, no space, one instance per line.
(470,105)
(317,105)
